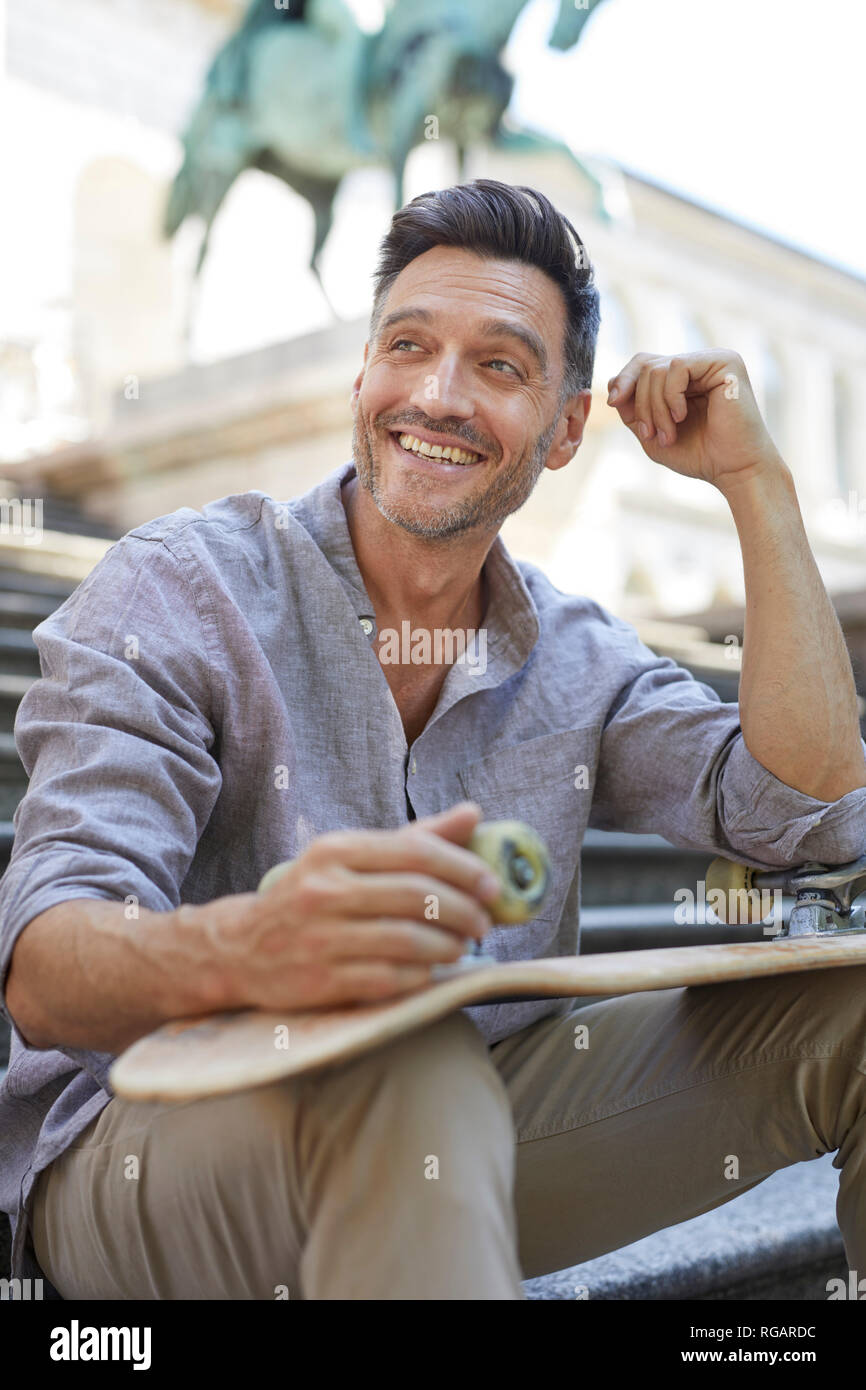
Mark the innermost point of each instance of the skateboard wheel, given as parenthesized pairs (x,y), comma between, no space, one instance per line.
(273,874)
(519,858)
(731,879)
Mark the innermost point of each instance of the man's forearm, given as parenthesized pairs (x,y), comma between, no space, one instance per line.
(798,702)
(83,975)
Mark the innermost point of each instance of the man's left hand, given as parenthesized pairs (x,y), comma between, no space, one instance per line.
(695,413)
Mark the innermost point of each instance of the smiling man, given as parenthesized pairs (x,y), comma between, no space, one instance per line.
(261,716)
(475,354)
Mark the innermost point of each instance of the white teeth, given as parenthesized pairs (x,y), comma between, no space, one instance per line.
(450,453)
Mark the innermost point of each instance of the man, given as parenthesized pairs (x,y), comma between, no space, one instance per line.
(223,692)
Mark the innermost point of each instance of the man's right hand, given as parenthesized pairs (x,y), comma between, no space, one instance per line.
(360,915)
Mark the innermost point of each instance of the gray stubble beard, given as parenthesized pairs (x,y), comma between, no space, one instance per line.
(486,510)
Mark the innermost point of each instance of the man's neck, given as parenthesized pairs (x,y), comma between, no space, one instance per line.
(408,578)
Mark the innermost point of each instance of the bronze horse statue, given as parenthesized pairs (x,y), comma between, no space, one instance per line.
(299,91)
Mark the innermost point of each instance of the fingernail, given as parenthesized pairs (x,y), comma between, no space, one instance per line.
(661,437)
(643,430)
(612,393)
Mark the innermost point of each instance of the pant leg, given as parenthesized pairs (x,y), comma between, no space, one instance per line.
(681,1100)
(390,1177)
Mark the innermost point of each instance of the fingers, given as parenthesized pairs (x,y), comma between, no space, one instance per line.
(455,824)
(389,938)
(365,982)
(650,395)
(412,849)
(661,424)
(414,897)
(621,387)
(676,384)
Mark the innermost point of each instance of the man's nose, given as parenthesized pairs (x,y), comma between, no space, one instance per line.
(445,389)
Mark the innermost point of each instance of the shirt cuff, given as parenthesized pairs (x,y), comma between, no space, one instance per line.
(766,818)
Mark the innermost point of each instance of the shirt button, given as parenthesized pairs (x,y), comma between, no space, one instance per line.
(414,766)
(367,626)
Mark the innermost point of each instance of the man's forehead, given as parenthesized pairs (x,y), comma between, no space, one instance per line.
(513,284)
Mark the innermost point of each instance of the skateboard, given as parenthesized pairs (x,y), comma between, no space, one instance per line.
(216,1053)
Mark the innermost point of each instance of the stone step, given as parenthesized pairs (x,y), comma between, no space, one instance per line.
(23,610)
(13,686)
(19,654)
(7,837)
(13,783)
(32,584)
(637,926)
(618,868)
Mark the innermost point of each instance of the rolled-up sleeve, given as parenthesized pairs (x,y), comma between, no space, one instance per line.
(116,738)
(673,761)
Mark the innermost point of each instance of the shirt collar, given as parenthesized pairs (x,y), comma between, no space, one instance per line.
(511,619)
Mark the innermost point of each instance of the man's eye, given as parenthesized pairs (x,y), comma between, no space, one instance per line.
(399,341)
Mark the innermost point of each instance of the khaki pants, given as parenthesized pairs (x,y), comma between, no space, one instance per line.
(439,1168)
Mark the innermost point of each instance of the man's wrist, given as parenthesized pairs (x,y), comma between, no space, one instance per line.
(767,479)
(198,929)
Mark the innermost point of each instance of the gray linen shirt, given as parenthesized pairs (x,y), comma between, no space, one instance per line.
(210,701)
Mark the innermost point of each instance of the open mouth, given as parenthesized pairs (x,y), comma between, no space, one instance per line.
(445,458)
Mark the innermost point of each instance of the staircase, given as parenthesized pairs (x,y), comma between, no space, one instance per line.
(34,580)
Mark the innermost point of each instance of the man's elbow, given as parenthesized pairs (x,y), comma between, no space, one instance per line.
(20,1002)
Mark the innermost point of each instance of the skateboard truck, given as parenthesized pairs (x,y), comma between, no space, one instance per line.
(825,894)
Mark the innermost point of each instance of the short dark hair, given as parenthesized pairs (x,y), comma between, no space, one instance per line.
(500,221)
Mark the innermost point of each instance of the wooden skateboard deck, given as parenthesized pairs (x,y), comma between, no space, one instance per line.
(217,1053)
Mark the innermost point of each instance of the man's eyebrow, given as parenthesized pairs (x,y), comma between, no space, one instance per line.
(489,328)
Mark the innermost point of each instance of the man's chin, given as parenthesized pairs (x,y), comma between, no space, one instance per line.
(419,520)
(417,516)
(403,503)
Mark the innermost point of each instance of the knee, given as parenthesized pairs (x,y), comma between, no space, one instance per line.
(442,1068)
(451,1049)
(452,1046)
(436,1081)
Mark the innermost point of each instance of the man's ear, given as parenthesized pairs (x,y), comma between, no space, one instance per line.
(356,384)
(575,413)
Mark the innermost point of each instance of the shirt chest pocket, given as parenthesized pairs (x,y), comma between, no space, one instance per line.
(548,783)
